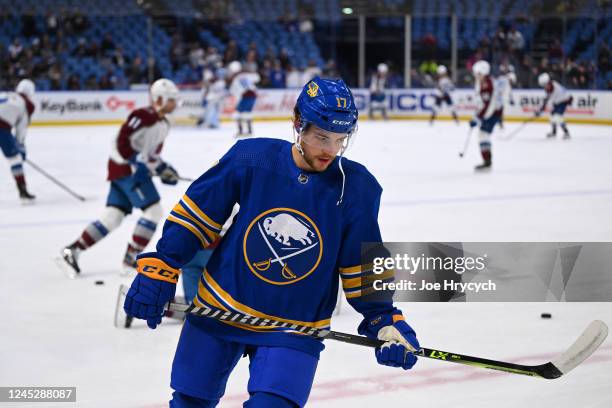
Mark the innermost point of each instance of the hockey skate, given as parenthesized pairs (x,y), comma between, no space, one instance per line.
(566,136)
(485,166)
(68,261)
(550,135)
(24,194)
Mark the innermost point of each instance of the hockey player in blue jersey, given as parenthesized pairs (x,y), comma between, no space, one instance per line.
(304,212)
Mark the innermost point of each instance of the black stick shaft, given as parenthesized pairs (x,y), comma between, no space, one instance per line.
(54,180)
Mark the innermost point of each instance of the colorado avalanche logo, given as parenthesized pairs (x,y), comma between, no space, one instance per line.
(282,246)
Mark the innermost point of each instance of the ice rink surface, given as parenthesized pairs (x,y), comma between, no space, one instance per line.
(55,331)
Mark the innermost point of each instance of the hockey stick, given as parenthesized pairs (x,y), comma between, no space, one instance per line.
(56,181)
(467,142)
(590,339)
(518,129)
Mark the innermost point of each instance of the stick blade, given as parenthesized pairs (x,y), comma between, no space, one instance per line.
(589,341)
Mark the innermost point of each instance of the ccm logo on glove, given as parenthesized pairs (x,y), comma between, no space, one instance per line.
(157,269)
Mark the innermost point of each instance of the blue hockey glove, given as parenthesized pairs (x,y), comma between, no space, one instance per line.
(511,102)
(538,113)
(474,122)
(400,340)
(167,174)
(147,297)
(21,150)
(140,172)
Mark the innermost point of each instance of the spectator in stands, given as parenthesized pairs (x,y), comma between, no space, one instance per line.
(516,42)
(196,55)
(81,49)
(51,23)
(91,83)
(293,77)
(311,71)
(250,64)
(284,59)
(231,53)
(428,70)
(92,50)
(136,72)
(15,50)
(555,52)
(108,81)
(80,23)
(213,58)
(152,73)
(429,42)
(73,83)
(306,25)
(330,70)
(177,52)
(118,58)
(55,77)
(107,43)
(277,76)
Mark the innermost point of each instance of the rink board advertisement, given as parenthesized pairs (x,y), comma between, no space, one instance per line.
(110,107)
(486,272)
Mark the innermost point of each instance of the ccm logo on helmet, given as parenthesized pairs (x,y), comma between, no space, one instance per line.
(340,122)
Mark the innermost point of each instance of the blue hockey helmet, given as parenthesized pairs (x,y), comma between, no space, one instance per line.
(327,104)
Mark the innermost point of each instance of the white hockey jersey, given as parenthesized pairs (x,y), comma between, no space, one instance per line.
(244,82)
(445,85)
(378,84)
(216,91)
(556,93)
(504,83)
(15,112)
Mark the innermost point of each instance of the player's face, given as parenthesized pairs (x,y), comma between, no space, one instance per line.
(170,106)
(321,147)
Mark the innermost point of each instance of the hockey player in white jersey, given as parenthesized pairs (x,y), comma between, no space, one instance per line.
(378,96)
(505,80)
(135,157)
(16,109)
(558,96)
(243,87)
(443,94)
(489,110)
(214,90)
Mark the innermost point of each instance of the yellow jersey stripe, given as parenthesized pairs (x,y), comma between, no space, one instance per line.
(191,228)
(194,207)
(181,211)
(355,270)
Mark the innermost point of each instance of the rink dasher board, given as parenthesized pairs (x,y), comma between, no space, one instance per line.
(63,108)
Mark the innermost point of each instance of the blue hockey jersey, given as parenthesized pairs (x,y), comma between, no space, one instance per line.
(291,239)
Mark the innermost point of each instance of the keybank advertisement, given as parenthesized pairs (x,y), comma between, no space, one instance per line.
(84,107)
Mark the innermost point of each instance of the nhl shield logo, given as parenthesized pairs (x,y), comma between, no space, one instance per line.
(282,246)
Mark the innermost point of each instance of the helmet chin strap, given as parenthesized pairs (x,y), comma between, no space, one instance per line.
(298,141)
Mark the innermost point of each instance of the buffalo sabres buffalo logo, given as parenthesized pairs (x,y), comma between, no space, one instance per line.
(282,246)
